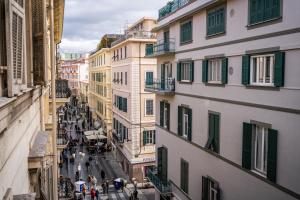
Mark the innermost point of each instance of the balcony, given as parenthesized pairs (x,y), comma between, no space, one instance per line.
(162,47)
(161,86)
(117,137)
(163,186)
(62,89)
(135,35)
(172,7)
(62,140)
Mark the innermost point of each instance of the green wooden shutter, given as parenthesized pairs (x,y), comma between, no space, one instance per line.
(192,71)
(180,113)
(211,128)
(159,162)
(178,71)
(279,69)
(189,137)
(204,71)
(224,70)
(144,138)
(168,116)
(184,175)
(246,70)
(163,77)
(204,188)
(161,111)
(164,175)
(272,155)
(217,133)
(125,104)
(247,145)
(154,137)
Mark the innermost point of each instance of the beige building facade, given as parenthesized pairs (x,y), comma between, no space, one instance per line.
(28,39)
(228,110)
(100,88)
(133,108)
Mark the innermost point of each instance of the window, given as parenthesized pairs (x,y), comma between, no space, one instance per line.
(165,115)
(148,137)
(216,21)
(214,70)
(125,78)
(262,69)
(264,10)
(125,52)
(184,176)
(213,142)
(186,32)
(149,78)
(162,164)
(121,50)
(185,122)
(260,144)
(210,189)
(260,149)
(185,71)
(149,107)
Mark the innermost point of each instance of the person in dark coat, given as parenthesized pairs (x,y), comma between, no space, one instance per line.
(102,174)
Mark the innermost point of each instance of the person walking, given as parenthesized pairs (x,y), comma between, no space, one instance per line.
(103,187)
(84,191)
(94,181)
(93,193)
(97,194)
(102,175)
(107,186)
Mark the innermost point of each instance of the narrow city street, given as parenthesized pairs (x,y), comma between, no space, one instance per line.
(77,158)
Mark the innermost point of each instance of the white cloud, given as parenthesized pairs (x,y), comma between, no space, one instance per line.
(87,21)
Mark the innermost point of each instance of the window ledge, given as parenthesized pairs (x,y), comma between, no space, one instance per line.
(186,43)
(215,35)
(264,23)
(259,173)
(185,82)
(263,87)
(216,84)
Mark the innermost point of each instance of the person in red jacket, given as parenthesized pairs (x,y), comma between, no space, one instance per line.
(93,193)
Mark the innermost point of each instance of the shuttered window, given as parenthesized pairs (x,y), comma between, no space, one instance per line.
(213,142)
(149,78)
(215,71)
(148,137)
(15,36)
(216,21)
(264,10)
(39,35)
(165,115)
(260,150)
(185,71)
(186,32)
(149,107)
(184,176)
(210,189)
(264,69)
(185,122)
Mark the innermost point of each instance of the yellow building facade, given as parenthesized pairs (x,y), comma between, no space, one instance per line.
(100,88)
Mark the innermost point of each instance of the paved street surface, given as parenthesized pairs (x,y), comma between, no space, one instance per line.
(104,161)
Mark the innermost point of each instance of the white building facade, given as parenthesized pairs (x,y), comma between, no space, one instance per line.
(227,100)
(133,108)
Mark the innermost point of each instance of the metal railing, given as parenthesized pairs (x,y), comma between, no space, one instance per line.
(166,85)
(171,7)
(62,89)
(136,35)
(163,186)
(161,47)
(62,139)
(65,188)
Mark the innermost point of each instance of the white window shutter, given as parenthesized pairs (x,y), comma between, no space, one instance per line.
(15,38)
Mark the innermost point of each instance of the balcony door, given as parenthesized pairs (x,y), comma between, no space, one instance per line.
(166,75)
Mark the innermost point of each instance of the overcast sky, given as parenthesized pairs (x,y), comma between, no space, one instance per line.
(86,21)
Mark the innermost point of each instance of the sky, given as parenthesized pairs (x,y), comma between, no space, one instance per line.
(86,21)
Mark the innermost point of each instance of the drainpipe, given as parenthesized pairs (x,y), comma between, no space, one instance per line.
(52,62)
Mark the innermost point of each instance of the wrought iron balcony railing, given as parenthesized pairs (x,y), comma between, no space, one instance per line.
(136,35)
(161,85)
(65,188)
(62,89)
(161,47)
(171,7)
(117,137)
(163,186)
(62,139)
